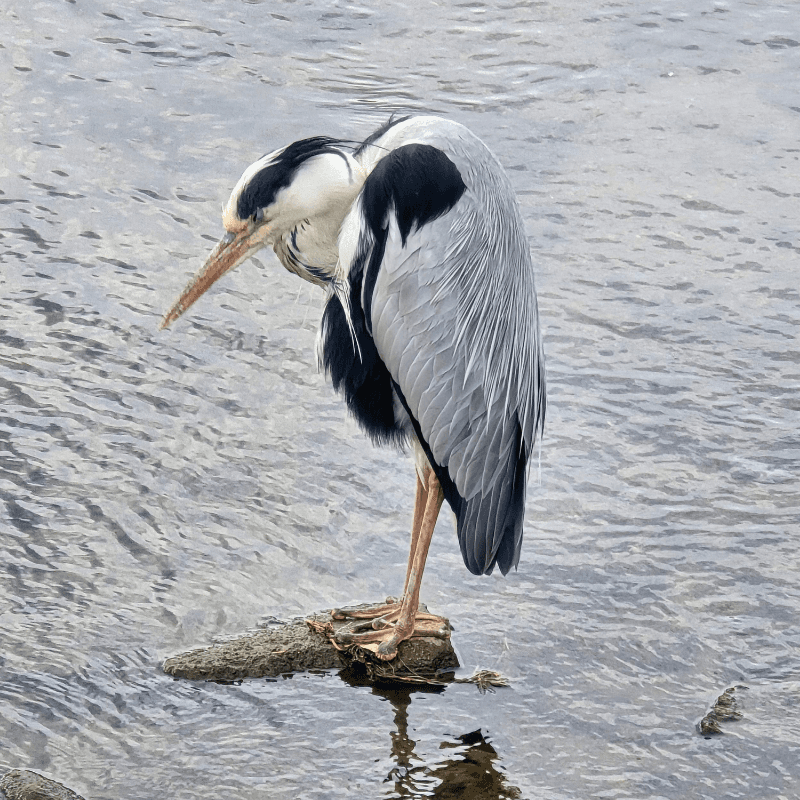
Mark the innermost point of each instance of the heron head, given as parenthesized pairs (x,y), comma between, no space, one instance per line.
(309,180)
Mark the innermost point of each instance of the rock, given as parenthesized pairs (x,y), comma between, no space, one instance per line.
(22,784)
(725,709)
(304,644)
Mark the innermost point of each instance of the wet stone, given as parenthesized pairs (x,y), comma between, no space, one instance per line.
(304,644)
(725,709)
(22,784)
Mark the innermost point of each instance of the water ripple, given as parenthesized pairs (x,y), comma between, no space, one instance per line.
(158,490)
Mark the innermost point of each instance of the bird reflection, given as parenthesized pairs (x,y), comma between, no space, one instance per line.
(471,773)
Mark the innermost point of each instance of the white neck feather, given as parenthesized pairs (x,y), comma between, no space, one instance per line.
(306,216)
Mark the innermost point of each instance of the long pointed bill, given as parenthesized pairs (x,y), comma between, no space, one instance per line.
(231,250)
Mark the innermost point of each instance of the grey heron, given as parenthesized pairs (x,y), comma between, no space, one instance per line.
(430,328)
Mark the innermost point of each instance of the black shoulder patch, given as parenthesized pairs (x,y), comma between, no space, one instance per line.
(418,181)
(266,183)
(373,137)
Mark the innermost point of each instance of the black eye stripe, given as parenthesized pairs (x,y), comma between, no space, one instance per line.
(266,183)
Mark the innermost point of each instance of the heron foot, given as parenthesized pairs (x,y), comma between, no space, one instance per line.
(382,635)
(367,612)
(380,616)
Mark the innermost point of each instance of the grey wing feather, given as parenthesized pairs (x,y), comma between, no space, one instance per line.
(455,320)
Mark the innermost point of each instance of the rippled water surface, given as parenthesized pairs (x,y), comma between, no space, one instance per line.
(163,489)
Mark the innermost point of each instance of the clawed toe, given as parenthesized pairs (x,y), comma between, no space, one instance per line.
(367,612)
(388,635)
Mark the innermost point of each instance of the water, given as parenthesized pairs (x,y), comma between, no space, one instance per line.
(163,489)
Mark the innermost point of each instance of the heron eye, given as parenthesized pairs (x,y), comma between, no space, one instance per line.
(259,215)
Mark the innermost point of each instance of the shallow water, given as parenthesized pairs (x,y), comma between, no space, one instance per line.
(163,489)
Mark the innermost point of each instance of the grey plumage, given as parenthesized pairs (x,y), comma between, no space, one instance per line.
(455,321)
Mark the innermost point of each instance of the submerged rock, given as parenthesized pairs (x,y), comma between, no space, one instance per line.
(305,644)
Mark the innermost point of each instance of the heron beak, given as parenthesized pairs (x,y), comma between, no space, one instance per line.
(231,250)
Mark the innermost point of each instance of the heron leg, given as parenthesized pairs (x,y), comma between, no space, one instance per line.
(407,622)
(405,626)
(420,504)
(386,612)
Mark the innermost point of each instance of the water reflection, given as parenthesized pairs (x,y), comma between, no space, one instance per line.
(471,771)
